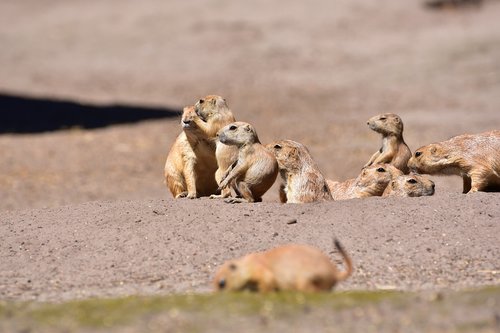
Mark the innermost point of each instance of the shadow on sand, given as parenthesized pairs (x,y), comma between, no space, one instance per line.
(19,114)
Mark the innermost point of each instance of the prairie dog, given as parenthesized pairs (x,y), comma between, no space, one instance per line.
(394,149)
(372,181)
(214,114)
(256,168)
(191,164)
(289,267)
(411,185)
(474,157)
(303,182)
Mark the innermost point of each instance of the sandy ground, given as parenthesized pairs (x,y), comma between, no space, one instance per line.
(84,212)
(165,246)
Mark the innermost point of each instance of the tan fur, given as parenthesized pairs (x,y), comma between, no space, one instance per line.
(474,157)
(372,181)
(289,267)
(256,168)
(214,114)
(191,164)
(412,185)
(303,182)
(394,149)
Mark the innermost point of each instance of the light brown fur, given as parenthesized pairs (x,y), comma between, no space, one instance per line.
(214,114)
(191,164)
(474,157)
(412,185)
(394,150)
(372,181)
(303,182)
(289,267)
(256,168)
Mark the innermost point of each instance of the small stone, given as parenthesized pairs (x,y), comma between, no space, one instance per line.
(291,221)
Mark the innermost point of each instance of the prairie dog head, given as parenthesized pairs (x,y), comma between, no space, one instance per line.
(236,275)
(238,134)
(412,185)
(213,107)
(187,118)
(429,159)
(376,174)
(386,123)
(290,155)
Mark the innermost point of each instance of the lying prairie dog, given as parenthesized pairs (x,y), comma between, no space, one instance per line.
(474,157)
(372,181)
(302,180)
(411,185)
(288,267)
(256,168)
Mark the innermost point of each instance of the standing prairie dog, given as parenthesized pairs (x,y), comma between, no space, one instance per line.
(191,164)
(289,267)
(411,185)
(256,168)
(474,157)
(372,181)
(214,114)
(303,182)
(394,149)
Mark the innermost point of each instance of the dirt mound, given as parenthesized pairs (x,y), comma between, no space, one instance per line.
(165,246)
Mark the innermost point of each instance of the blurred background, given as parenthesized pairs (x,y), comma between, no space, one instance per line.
(91,91)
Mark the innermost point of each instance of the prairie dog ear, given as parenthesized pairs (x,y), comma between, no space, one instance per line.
(433,150)
(397,120)
(220,102)
(248,128)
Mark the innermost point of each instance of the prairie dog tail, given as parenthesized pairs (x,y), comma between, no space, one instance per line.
(348,262)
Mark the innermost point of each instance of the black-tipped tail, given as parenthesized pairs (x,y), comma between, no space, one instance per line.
(348,262)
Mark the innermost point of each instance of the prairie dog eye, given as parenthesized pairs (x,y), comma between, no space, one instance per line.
(277,147)
(222,283)
(383,118)
(201,101)
(380,170)
(418,153)
(232,127)
(412,181)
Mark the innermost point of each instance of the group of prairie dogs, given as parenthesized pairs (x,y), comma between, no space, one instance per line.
(215,156)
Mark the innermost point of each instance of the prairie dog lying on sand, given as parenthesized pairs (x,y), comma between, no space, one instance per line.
(289,267)
(372,181)
(412,185)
